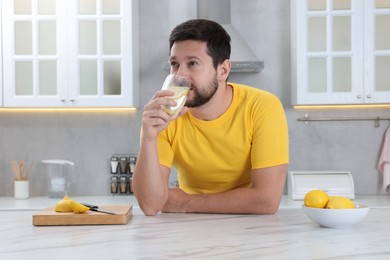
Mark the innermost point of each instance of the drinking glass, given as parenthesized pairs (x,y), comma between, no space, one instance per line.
(180,85)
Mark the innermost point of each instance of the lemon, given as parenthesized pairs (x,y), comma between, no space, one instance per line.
(78,207)
(340,202)
(179,91)
(180,97)
(69,205)
(63,205)
(316,199)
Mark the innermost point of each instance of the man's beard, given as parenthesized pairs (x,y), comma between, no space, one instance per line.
(201,98)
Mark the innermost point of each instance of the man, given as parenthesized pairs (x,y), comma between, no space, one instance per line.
(229,144)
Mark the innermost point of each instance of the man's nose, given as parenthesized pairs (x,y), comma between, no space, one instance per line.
(182,72)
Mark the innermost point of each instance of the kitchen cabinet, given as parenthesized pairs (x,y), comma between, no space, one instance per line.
(340,51)
(1,66)
(78,53)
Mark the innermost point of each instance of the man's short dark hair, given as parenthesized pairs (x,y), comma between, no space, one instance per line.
(217,39)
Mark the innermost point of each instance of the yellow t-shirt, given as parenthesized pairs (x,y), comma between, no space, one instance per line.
(218,155)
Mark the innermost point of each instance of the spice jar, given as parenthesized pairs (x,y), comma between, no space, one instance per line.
(123,165)
(123,183)
(132,161)
(114,165)
(114,184)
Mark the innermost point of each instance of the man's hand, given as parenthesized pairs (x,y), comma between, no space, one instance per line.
(154,119)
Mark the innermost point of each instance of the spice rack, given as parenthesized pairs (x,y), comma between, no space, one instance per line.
(121,171)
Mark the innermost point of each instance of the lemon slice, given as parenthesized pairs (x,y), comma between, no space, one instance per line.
(180,97)
(78,207)
(63,205)
(179,91)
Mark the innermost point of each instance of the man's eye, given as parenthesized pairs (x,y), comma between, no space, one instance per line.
(192,63)
(174,64)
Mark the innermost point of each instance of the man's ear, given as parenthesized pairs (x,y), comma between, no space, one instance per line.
(224,70)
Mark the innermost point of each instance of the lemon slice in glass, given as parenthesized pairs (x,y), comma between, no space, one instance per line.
(180,86)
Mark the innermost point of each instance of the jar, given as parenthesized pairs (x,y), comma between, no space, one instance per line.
(123,165)
(123,184)
(114,184)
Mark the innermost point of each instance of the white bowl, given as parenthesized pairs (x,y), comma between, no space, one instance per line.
(336,218)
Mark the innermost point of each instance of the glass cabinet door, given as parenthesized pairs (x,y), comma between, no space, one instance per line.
(102,54)
(70,53)
(378,51)
(98,36)
(33,60)
(1,67)
(329,57)
(340,51)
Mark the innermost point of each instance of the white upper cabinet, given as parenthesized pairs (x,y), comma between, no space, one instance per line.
(77,53)
(340,51)
(1,65)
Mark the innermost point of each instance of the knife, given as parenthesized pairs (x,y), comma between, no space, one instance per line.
(96,209)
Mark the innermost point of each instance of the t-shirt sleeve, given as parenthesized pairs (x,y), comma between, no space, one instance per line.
(270,135)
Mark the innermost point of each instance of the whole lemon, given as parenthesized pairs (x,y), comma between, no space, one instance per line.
(340,202)
(316,199)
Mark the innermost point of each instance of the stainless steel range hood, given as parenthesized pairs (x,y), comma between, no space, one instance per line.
(242,57)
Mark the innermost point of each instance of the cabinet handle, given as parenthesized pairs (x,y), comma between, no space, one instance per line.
(359,96)
(368,96)
(63,100)
(72,100)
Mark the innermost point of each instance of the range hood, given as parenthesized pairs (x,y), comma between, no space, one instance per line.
(242,57)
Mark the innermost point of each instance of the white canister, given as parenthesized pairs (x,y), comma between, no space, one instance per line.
(21,189)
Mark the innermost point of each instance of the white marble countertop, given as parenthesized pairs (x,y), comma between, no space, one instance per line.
(289,234)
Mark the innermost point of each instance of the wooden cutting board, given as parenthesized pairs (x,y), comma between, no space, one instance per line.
(48,217)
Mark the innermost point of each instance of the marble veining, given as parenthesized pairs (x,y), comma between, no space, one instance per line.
(289,234)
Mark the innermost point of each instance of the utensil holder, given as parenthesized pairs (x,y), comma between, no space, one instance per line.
(21,189)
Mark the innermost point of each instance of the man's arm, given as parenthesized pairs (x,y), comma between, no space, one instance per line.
(150,179)
(262,198)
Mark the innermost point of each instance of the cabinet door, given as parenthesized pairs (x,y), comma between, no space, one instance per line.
(34,54)
(102,67)
(1,65)
(76,53)
(377,55)
(327,52)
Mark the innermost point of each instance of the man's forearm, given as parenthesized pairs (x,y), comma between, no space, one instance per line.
(150,187)
(237,201)
(263,197)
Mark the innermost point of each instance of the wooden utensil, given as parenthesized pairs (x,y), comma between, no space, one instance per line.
(29,170)
(22,169)
(16,170)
